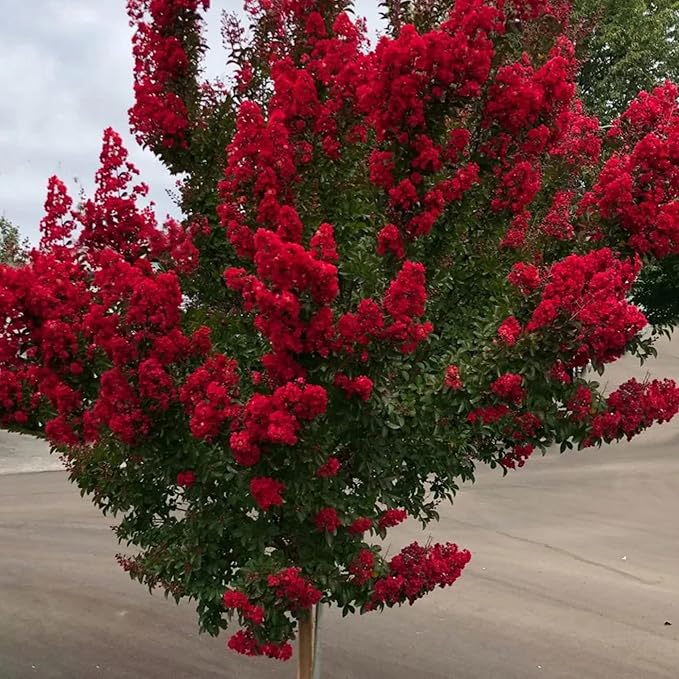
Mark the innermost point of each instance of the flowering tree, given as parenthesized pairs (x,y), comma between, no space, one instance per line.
(391,263)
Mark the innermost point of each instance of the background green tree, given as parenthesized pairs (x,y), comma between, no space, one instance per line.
(13,248)
(627,45)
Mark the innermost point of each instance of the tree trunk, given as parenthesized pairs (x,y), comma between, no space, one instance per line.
(305,647)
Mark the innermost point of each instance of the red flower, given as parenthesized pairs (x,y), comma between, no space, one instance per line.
(591,291)
(509,387)
(417,570)
(244,642)
(389,240)
(290,585)
(245,452)
(525,277)
(382,166)
(362,567)
(361,386)
(209,394)
(327,520)
(580,404)
(267,492)
(406,295)
(517,457)
(634,406)
(240,602)
(391,518)
(254,614)
(509,331)
(186,478)
(276,651)
(452,378)
(330,468)
(234,599)
(488,414)
(360,526)
(559,373)
(323,243)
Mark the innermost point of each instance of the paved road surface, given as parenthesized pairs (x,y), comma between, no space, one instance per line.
(575,572)
(21,454)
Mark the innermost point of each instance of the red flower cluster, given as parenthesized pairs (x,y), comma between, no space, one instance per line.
(417,570)
(591,291)
(298,593)
(509,331)
(240,602)
(488,414)
(452,379)
(633,407)
(580,403)
(638,187)
(159,114)
(391,518)
(360,526)
(275,419)
(360,386)
(186,479)
(517,188)
(357,330)
(525,277)
(559,373)
(389,240)
(515,236)
(509,387)
(209,394)
(362,567)
(327,520)
(245,643)
(556,222)
(330,468)
(521,96)
(517,456)
(404,301)
(267,492)
(286,272)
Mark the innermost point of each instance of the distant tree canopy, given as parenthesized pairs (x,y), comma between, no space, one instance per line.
(13,248)
(657,292)
(627,45)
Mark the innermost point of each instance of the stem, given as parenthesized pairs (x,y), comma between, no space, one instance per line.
(305,647)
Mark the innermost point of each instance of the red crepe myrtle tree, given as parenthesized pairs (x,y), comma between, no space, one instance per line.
(392,261)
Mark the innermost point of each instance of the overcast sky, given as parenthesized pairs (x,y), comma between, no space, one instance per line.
(65,75)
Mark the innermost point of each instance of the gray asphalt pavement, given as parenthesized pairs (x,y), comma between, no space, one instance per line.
(575,573)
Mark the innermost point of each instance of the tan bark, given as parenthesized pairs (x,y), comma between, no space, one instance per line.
(305,648)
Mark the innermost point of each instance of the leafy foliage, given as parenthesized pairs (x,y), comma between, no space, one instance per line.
(657,292)
(13,248)
(628,45)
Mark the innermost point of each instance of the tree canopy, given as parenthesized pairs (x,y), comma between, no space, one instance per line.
(627,46)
